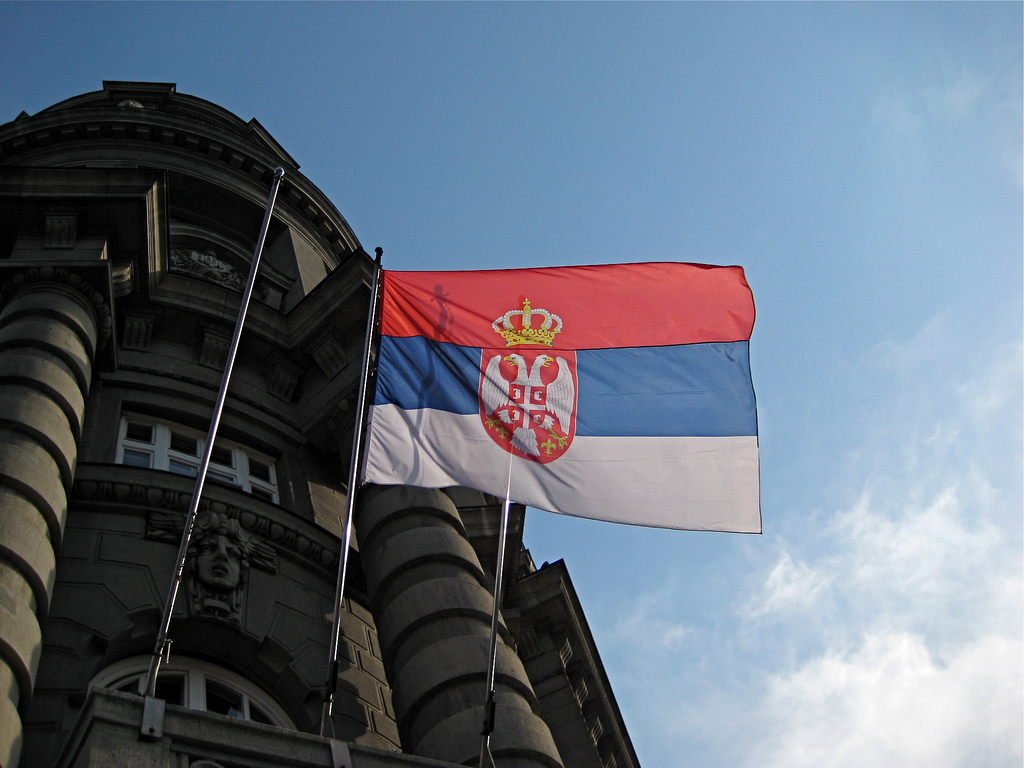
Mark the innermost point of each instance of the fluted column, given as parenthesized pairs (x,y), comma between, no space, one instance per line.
(50,328)
(432,604)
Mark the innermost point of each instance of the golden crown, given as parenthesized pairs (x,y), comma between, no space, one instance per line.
(523,331)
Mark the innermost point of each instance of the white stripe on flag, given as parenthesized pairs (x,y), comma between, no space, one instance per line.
(690,483)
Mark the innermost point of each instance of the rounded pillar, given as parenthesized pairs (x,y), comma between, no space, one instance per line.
(48,338)
(432,602)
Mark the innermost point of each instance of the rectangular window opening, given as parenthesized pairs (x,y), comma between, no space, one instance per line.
(135,458)
(259,470)
(181,468)
(184,444)
(223,456)
(142,433)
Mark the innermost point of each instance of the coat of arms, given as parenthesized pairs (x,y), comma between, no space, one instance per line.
(528,396)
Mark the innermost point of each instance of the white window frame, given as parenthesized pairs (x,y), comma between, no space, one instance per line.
(195,673)
(160,453)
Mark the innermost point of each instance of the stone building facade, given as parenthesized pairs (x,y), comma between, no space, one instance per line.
(127,223)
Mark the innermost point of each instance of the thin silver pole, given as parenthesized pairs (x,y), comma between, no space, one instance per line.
(489,703)
(162,642)
(353,480)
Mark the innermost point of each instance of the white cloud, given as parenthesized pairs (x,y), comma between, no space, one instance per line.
(923,661)
(902,560)
(913,654)
(891,702)
(790,585)
(895,559)
(986,396)
(890,636)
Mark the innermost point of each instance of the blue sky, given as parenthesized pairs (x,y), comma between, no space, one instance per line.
(862,162)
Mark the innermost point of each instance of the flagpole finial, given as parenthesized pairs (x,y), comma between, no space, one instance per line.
(279,172)
(380,252)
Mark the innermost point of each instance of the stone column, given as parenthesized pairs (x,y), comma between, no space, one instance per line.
(432,603)
(51,322)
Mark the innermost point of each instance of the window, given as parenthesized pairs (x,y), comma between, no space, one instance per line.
(197,685)
(146,443)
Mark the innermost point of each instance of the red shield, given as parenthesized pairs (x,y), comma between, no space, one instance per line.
(528,400)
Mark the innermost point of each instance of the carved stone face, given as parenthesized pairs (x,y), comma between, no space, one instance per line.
(219,562)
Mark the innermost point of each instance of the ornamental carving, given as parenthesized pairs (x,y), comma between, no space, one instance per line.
(217,568)
(165,517)
(207,266)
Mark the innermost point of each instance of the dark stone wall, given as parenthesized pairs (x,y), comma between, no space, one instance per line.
(434,602)
(114,570)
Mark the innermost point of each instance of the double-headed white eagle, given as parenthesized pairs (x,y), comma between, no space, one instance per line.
(558,404)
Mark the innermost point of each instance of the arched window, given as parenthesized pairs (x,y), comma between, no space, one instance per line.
(197,685)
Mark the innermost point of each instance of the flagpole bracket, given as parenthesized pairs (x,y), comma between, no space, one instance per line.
(489,711)
(340,755)
(152,718)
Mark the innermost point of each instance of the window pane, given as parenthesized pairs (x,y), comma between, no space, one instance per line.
(262,493)
(257,715)
(136,458)
(141,432)
(222,477)
(184,444)
(222,456)
(181,468)
(223,700)
(132,684)
(171,688)
(259,470)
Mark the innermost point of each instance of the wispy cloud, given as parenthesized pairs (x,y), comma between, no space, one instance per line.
(955,97)
(646,629)
(925,667)
(905,564)
(893,635)
(920,659)
(896,113)
(891,701)
(915,121)
(790,585)
(903,110)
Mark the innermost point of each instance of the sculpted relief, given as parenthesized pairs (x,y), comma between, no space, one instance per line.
(206,265)
(218,567)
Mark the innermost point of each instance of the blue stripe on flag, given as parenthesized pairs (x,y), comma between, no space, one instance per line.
(696,390)
(415,372)
(699,390)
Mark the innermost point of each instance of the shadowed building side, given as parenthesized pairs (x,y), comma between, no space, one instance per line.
(127,224)
(434,606)
(51,325)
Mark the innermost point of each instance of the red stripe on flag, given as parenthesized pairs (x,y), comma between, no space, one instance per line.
(614,305)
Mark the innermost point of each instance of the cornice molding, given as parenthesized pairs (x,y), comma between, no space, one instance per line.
(165,505)
(30,141)
(258,405)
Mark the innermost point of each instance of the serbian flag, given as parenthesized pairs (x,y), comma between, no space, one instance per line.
(618,392)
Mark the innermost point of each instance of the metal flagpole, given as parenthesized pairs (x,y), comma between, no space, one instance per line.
(489,703)
(161,650)
(353,479)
